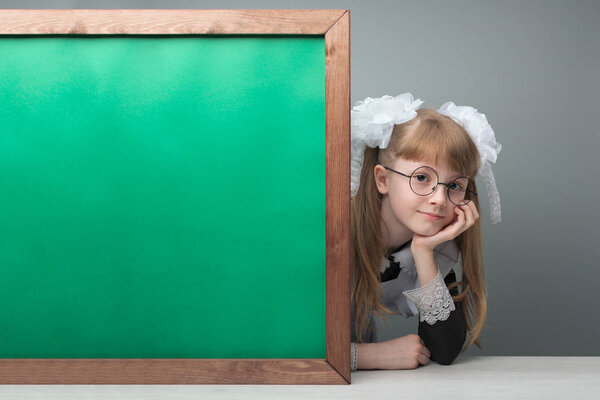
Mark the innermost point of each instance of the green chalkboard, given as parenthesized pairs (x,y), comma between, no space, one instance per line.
(162,197)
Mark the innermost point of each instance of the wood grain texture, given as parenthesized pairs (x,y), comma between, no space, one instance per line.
(337,149)
(168,371)
(335,368)
(165,22)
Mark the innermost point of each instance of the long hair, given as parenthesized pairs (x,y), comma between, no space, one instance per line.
(428,136)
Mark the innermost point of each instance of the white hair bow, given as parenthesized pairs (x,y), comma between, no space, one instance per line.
(476,124)
(372,123)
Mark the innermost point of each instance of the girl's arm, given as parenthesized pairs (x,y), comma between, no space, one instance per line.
(368,355)
(442,325)
(406,352)
(445,338)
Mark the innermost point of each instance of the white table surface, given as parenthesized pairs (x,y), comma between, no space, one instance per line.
(469,377)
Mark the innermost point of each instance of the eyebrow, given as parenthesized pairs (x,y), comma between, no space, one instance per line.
(458,175)
(453,177)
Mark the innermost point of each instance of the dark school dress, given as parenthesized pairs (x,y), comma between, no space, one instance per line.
(442,325)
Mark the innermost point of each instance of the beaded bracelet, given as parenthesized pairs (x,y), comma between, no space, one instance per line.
(353,357)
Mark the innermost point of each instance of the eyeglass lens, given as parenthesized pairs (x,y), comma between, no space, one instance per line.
(424,181)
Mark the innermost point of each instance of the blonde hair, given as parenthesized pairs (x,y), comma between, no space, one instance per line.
(433,137)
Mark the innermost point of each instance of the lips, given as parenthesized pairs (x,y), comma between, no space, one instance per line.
(430,214)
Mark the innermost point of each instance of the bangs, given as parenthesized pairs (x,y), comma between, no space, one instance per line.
(441,141)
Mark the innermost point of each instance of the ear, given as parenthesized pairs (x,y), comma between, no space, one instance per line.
(381,179)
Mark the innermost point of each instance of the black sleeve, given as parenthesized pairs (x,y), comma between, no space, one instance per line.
(445,339)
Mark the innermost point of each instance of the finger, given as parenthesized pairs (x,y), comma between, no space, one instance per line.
(475,212)
(471,206)
(469,216)
(426,352)
(423,360)
(470,219)
(461,217)
(466,221)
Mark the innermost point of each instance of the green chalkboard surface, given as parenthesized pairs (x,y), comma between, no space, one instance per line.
(162,197)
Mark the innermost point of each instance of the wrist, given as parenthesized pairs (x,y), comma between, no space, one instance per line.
(425,265)
(420,252)
(367,356)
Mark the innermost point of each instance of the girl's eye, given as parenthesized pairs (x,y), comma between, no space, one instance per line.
(421,178)
(455,186)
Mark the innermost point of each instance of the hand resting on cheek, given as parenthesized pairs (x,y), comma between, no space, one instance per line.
(464,218)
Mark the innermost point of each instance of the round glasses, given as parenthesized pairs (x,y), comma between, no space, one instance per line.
(424,180)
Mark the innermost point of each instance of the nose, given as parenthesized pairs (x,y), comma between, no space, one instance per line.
(438,196)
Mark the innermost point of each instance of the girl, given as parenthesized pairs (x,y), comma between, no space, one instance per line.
(414,212)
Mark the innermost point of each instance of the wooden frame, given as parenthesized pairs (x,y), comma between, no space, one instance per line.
(334,25)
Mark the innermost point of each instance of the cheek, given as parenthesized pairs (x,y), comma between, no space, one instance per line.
(405,209)
(404,206)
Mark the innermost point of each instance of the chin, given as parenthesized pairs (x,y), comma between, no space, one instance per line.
(430,231)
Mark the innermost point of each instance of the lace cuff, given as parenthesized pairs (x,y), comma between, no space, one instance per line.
(353,357)
(433,300)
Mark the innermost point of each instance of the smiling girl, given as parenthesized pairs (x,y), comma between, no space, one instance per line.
(415,211)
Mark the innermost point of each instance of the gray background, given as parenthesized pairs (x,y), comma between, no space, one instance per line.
(532,68)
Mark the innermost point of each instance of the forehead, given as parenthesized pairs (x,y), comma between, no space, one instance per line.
(442,169)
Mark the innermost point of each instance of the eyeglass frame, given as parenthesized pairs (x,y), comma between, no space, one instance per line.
(438,180)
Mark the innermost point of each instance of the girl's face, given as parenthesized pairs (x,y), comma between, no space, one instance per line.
(403,211)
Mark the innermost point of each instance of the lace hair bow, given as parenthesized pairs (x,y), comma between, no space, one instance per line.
(372,123)
(373,120)
(476,124)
